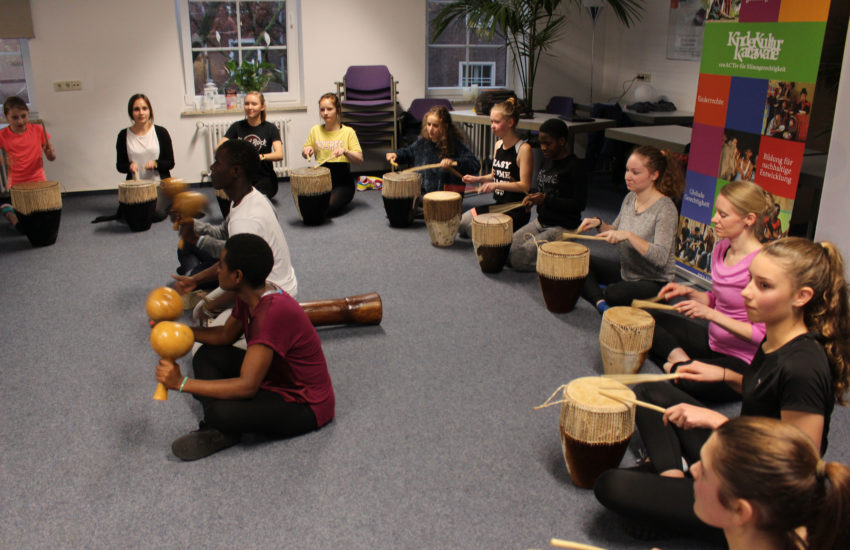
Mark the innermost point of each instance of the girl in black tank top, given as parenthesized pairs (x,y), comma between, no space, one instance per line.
(510,178)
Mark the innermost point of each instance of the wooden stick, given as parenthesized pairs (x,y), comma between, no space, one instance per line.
(646,304)
(560,543)
(656,299)
(637,402)
(455,172)
(504,208)
(427,167)
(640,378)
(582,236)
(43,127)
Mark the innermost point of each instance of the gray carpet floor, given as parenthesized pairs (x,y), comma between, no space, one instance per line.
(435,443)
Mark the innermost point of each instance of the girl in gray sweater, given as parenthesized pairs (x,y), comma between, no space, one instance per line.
(644,233)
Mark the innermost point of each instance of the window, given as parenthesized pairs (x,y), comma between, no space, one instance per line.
(14,69)
(477,73)
(460,57)
(213,32)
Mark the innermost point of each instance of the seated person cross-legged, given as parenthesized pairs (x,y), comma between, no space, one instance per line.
(279,387)
(644,232)
(561,196)
(728,343)
(797,289)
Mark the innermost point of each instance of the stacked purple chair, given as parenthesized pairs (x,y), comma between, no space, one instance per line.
(369,105)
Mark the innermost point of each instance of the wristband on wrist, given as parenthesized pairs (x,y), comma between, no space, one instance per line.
(183,383)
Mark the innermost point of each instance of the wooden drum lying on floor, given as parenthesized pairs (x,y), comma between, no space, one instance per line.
(561,268)
(491,238)
(311,191)
(38,206)
(442,216)
(400,192)
(137,202)
(223,202)
(595,429)
(625,339)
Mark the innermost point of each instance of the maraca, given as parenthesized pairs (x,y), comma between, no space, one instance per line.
(187,205)
(164,304)
(171,341)
(172,187)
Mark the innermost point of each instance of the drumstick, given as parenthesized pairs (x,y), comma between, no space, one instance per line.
(427,167)
(582,236)
(504,208)
(633,401)
(393,165)
(647,304)
(43,127)
(560,543)
(640,378)
(455,172)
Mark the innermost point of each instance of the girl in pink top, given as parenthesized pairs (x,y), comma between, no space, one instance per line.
(729,341)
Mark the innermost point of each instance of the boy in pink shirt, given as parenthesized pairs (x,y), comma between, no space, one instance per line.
(23,144)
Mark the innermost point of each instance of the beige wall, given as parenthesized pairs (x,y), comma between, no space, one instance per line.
(121,47)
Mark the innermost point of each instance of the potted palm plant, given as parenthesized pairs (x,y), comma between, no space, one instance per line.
(530,27)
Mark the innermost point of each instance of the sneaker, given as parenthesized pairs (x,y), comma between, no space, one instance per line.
(202,443)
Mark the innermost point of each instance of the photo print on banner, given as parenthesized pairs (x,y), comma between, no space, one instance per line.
(751,118)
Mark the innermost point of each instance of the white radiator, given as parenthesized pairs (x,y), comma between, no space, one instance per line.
(216,130)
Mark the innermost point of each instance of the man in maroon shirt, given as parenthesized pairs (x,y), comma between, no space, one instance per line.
(279,387)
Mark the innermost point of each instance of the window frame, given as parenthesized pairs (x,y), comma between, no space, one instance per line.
(457,92)
(24,45)
(294,62)
(469,68)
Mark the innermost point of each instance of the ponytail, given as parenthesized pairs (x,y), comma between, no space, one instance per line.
(671,178)
(747,197)
(820,267)
(511,108)
(830,530)
(776,468)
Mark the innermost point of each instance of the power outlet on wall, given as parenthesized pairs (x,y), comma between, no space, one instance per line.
(67,86)
(643,77)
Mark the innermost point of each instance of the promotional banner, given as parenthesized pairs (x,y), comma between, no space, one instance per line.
(754,97)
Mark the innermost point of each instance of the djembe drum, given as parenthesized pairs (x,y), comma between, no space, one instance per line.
(595,429)
(223,202)
(561,268)
(38,205)
(625,339)
(491,238)
(137,202)
(311,191)
(442,211)
(400,193)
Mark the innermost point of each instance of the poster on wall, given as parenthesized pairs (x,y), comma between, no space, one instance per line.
(685,27)
(754,97)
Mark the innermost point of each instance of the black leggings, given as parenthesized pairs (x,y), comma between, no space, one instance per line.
(343,187)
(673,330)
(656,501)
(266,413)
(606,271)
(648,497)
